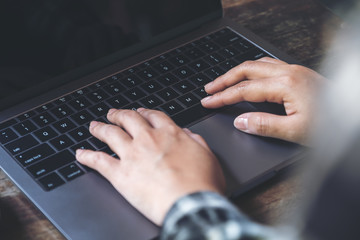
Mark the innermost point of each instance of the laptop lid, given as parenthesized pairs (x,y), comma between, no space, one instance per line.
(48,43)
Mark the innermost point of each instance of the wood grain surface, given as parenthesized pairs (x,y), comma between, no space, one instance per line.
(299,28)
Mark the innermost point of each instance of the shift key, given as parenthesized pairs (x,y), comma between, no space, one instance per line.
(51,163)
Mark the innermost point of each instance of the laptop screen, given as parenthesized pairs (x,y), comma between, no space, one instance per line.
(54,41)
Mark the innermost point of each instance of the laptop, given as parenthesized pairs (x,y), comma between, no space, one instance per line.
(65,63)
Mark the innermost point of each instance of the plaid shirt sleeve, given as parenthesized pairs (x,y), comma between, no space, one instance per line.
(207,215)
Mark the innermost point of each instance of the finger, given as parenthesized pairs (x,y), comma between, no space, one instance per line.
(100,161)
(268,125)
(133,123)
(271,60)
(156,118)
(246,71)
(197,138)
(270,90)
(112,135)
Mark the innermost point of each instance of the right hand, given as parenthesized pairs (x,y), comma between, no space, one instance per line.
(270,80)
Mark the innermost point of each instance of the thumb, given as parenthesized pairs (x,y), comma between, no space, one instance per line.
(268,125)
(197,138)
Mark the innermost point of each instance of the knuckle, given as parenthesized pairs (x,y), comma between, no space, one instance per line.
(99,155)
(155,113)
(242,86)
(104,130)
(266,58)
(98,129)
(127,114)
(97,158)
(91,158)
(240,68)
(105,127)
(217,95)
(296,68)
(220,96)
(221,81)
(246,64)
(152,115)
(173,129)
(147,113)
(261,125)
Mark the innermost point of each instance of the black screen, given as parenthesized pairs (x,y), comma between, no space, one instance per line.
(43,39)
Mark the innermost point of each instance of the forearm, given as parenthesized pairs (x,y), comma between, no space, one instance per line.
(207,215)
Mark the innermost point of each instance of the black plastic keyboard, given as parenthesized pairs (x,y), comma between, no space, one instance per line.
(43,141)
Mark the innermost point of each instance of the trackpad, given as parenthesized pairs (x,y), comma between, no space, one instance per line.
(242,156)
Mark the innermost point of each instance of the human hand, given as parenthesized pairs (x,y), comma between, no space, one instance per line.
(159,161)
(270,80)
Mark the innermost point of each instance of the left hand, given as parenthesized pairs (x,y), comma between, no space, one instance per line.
(159,161)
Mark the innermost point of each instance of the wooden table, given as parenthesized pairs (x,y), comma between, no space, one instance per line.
(296,27)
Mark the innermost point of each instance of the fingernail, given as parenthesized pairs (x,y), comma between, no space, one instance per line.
(208,85)
(241,123)
(93,124)
(79,152)
(140,109)
(111,111)
(206,99)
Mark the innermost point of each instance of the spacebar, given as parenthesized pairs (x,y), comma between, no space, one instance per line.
(191,115)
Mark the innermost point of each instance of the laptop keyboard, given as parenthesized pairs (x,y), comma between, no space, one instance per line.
(44,140)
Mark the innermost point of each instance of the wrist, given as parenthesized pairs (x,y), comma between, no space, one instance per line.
(193,202)
(165,206)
